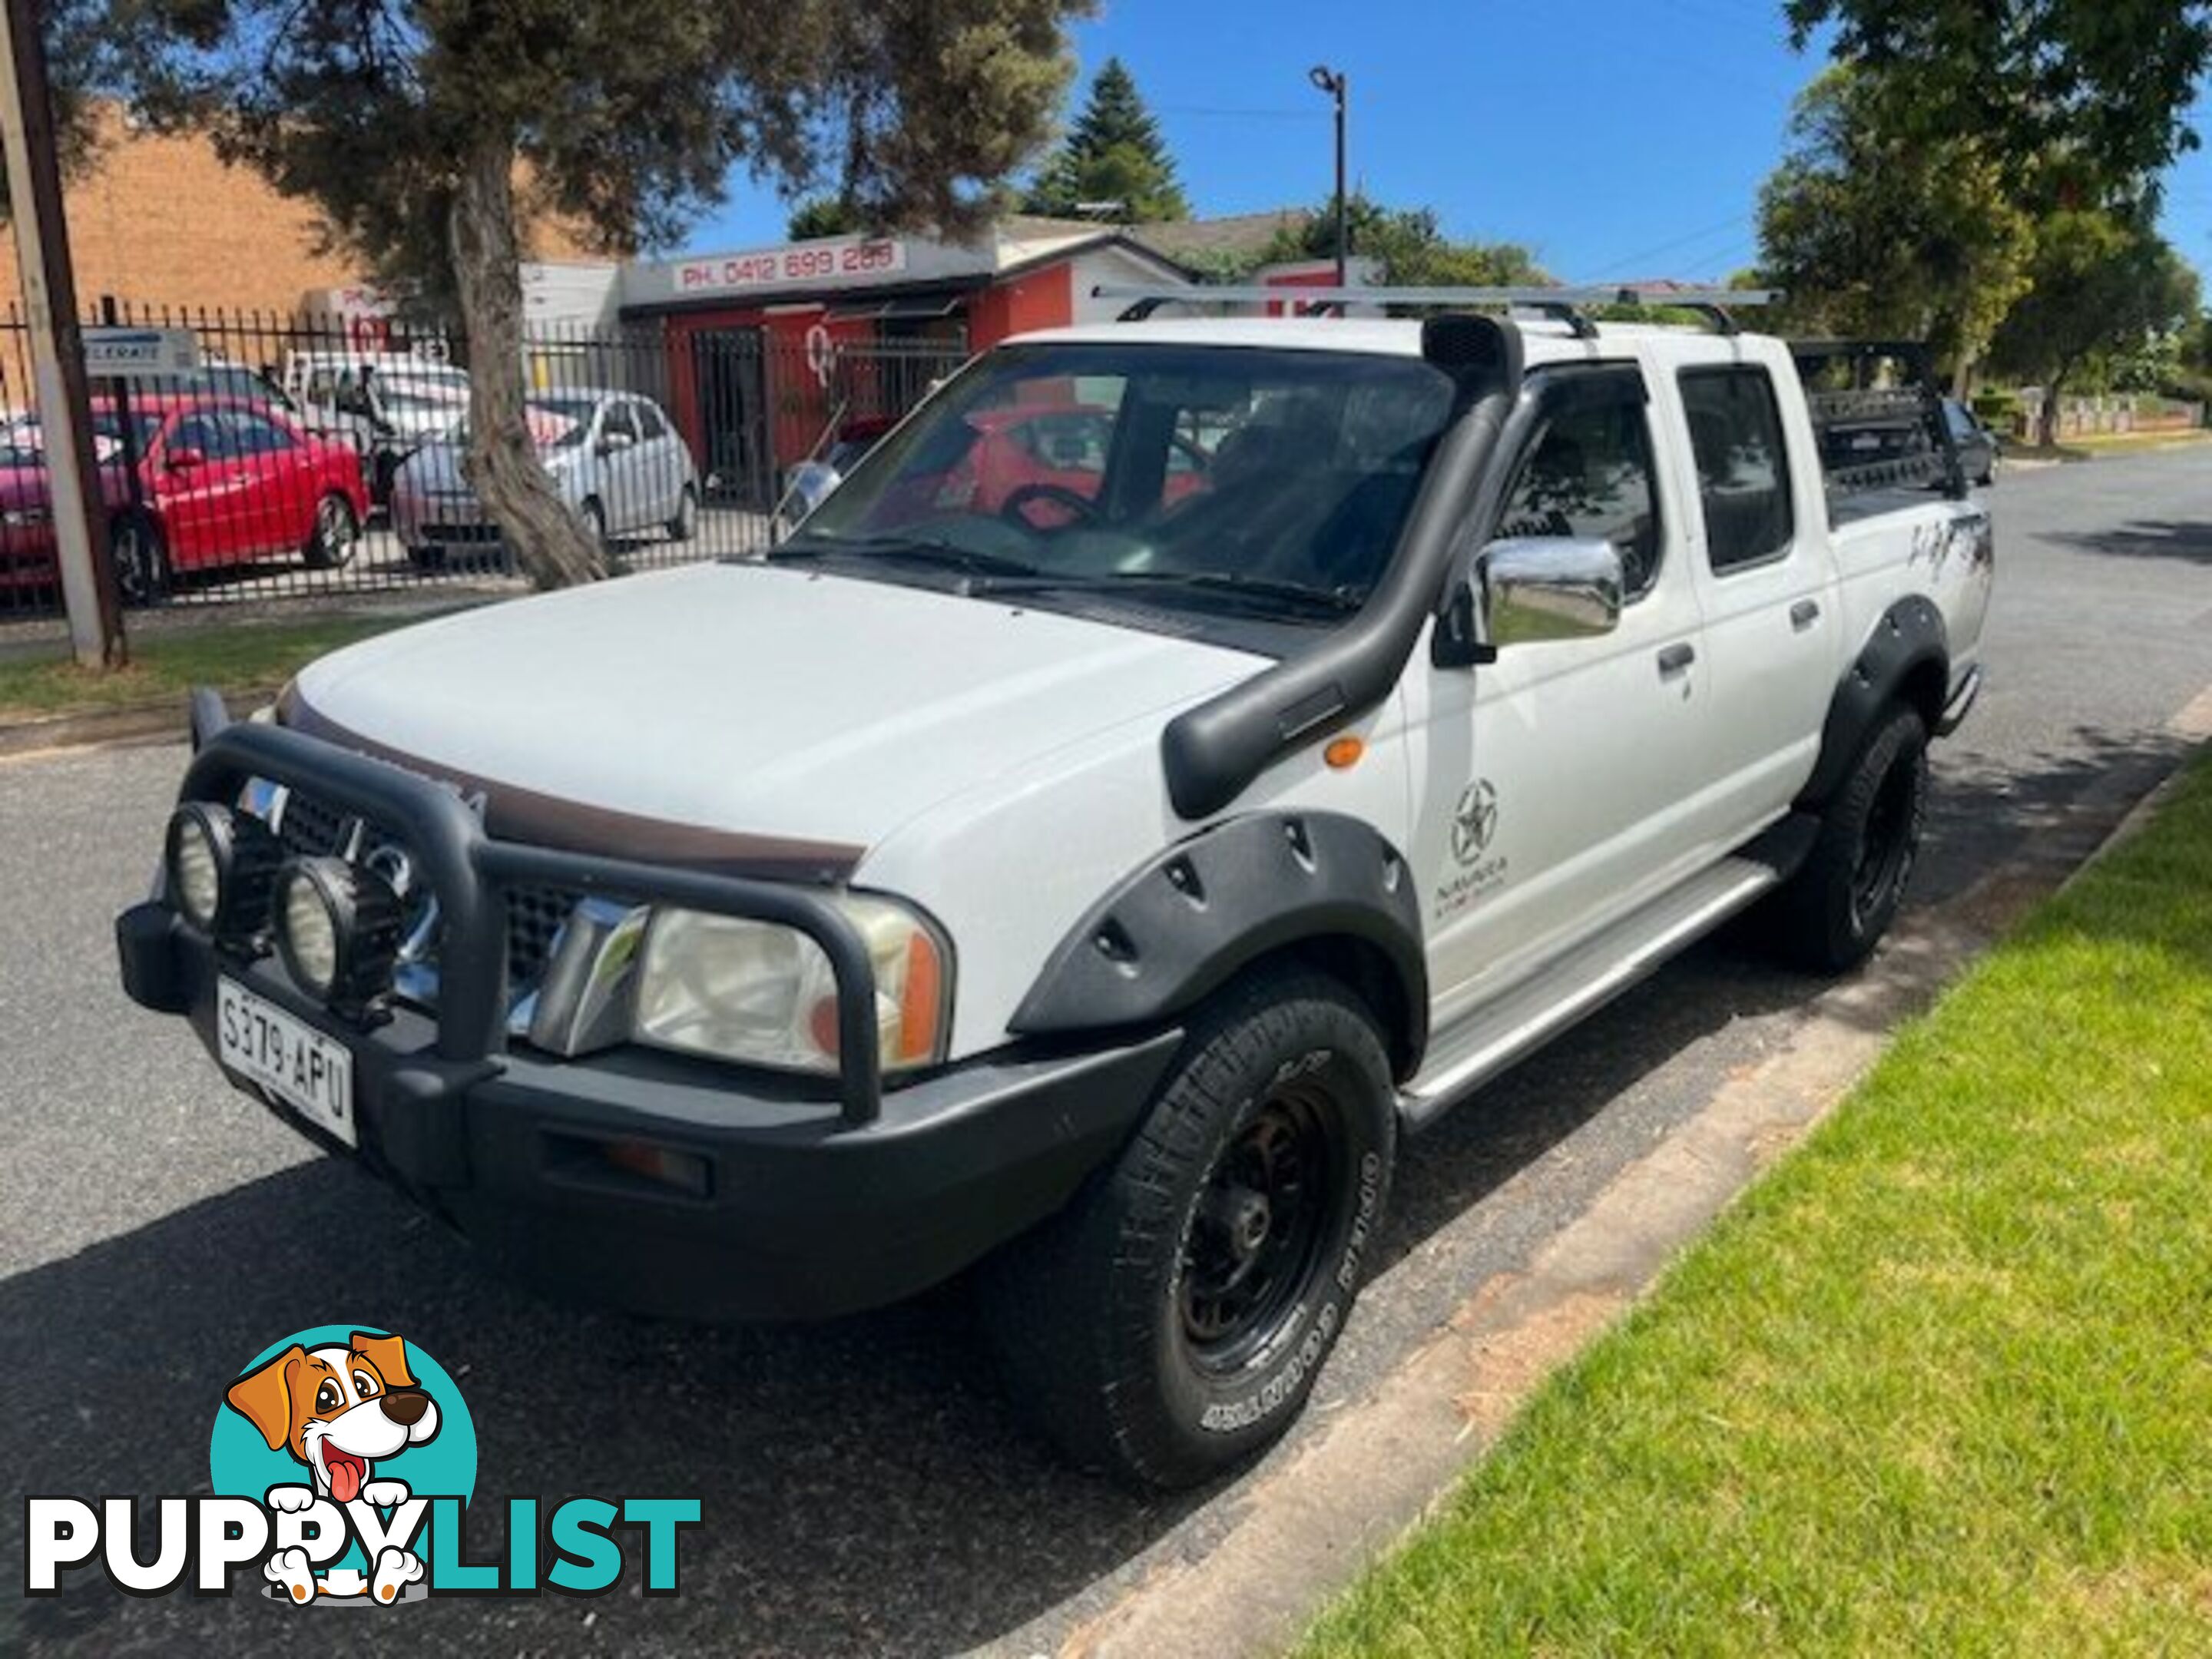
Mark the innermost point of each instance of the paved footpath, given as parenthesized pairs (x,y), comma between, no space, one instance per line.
(866,1490)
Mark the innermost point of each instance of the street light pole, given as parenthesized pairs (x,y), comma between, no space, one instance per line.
(1338,86)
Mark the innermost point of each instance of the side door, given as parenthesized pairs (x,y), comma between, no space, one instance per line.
(1766,584)
(622,468)
(660,459)
(281,485)
(198,490)
(1547,784)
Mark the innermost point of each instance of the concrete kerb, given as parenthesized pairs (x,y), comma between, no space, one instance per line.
(1380,1466)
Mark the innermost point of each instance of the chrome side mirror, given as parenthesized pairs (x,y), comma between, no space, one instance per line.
(810,484)
(1530,591)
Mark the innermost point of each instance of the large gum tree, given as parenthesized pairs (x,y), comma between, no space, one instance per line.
(430,133)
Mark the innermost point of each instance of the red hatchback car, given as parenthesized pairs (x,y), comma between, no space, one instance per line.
(220,481)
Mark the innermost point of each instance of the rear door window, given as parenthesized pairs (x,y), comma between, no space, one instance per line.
(1743,471)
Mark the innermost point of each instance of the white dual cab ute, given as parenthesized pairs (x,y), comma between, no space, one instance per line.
(1086,867)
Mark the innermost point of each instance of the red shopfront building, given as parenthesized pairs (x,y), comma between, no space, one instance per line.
(773,355)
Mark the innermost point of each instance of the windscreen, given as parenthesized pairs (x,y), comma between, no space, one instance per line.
(1102,462)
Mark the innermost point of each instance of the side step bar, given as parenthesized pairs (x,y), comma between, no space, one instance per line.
(1586,978)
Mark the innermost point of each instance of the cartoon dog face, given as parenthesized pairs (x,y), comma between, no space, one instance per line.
(337,1410)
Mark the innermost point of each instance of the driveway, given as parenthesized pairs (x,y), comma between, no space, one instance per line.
(864,1488)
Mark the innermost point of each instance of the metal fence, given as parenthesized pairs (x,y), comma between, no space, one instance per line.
(322,455)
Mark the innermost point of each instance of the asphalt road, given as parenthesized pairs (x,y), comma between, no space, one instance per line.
(865,1488)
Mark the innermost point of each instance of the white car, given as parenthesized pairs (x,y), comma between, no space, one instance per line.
(615,457)
(1089,875)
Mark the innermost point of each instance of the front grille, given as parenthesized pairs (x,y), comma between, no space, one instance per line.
(311,828)
(534,916)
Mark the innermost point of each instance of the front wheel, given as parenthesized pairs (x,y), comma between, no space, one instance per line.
(142,560)
(337,533)
(685,525)
(1170,1322)
(1835,910)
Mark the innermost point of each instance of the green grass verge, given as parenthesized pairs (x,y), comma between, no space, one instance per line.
(1942,1383)
(169,664)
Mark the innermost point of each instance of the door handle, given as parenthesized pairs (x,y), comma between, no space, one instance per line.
(1804,613)
(1676,660)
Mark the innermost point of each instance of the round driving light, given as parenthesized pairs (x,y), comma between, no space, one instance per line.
(220,866)
(195,874)
(309,932)
(338,927)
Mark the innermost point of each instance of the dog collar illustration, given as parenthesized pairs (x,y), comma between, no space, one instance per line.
(338,1409)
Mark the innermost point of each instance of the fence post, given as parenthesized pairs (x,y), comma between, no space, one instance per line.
(27,128)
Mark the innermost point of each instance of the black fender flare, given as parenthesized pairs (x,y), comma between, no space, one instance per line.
(1906,658)
(1190,918)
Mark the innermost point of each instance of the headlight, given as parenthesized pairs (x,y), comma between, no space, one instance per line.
(220,866)
(765,994)
(26,518)
(338,929)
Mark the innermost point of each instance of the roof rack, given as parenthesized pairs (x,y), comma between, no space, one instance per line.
(1566,305)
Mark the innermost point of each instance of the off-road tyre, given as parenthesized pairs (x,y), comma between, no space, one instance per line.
(1835,910)
(1116,1323)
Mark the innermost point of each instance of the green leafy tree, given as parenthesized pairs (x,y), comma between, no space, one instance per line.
(1870,228)
(1115,152)
(428,133)
(2103,284)
(1410,245)
(82,61)
(2107,82)
(823,215)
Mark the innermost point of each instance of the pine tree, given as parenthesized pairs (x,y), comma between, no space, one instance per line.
(1115,152)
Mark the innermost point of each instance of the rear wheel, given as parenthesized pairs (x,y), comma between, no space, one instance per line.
(1835,910)
(1169,1323)
(337,535)
(595,524)
(142,560)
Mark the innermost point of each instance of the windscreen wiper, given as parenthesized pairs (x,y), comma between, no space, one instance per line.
(902,549)
(1260,590)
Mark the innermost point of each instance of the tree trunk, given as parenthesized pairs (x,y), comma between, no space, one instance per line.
(2050,405)
(549,541)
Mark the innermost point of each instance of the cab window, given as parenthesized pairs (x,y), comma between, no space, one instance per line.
(1743,473)
(1587,476)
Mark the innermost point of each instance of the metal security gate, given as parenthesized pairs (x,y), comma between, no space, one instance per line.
(729,368)
(272,469)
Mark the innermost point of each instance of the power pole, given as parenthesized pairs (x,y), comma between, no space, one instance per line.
(64,400)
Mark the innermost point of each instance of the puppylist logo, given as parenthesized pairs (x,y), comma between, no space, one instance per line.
(343,1463)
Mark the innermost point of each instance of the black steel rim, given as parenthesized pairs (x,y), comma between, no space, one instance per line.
(1260,1225)
(1886,846)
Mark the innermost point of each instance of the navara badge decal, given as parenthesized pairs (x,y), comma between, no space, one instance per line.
(1474,828)
(1474,824)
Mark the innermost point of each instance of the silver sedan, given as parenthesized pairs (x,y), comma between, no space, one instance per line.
(615,457)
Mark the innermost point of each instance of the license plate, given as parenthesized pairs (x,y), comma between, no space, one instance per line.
(308,1072)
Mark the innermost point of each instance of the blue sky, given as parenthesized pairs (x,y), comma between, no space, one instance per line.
(1618,138)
